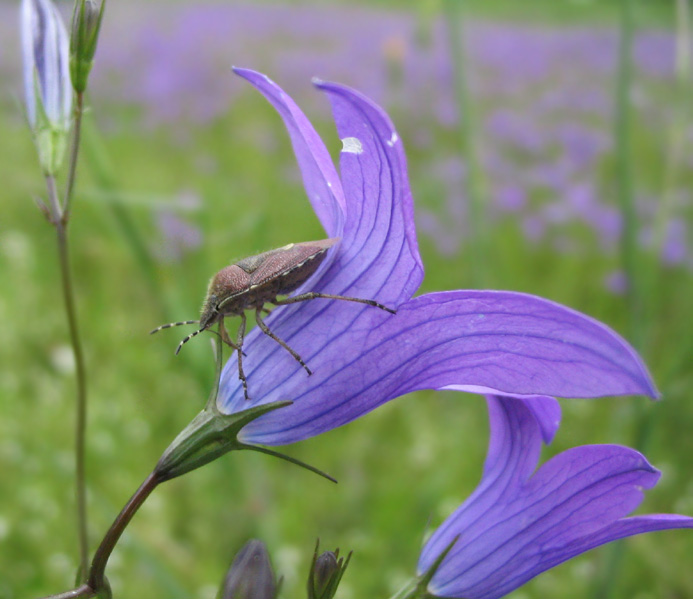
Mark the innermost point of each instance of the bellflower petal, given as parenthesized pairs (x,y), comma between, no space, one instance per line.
(361,357)
(379,244)
(518,524)
(506,341)
(320,178)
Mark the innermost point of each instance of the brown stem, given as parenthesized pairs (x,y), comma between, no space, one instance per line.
(83,591)
(96,579)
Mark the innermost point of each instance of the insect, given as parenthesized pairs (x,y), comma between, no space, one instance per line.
(255,281)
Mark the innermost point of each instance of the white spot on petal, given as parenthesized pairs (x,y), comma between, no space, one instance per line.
(352,145)
(394,139)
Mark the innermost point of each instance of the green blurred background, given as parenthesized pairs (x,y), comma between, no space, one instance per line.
(186,169)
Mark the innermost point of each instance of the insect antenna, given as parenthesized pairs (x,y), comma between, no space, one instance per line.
(189,337)
(173,324)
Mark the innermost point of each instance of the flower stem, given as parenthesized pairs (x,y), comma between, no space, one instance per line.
(613,561)
(82,591)
(74,152)
(476,231)
(60,224)
(96,580)
(624,174)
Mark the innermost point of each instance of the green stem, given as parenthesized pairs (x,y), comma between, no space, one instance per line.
(74,152)
(477,219)
(81,407)
(629,238)
(624,174)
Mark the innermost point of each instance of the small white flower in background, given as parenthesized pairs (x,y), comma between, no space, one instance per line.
(47,86)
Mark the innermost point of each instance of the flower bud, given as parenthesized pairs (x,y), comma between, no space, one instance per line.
(250,575)
(325,574)
(86,24)
(47,89)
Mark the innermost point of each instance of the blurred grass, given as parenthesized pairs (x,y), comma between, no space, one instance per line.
(142,395)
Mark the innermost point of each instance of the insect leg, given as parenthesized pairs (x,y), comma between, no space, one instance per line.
(313,295)
(266,331)
(239,350)
(173,324)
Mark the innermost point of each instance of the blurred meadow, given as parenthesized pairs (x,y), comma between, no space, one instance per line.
(186,169)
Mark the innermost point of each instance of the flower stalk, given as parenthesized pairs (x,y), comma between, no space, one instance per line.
(80,368)
(53,66)
(477,230)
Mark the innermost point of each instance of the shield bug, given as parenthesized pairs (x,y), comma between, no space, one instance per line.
(257,280)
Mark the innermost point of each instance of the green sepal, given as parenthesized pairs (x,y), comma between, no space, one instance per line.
(326,571)
(416,588)
(210,435)
(86,24)
(50,137)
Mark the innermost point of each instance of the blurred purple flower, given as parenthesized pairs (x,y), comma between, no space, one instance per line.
(519,523)
(177,235)
(361,357)
(617,282)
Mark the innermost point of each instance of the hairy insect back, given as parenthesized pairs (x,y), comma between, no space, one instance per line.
(293,263)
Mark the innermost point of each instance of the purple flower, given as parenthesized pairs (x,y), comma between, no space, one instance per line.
(361,357)
(519,523)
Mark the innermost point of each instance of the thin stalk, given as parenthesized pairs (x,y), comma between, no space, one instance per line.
(82,591)
(96,580)
(54,208)
(74,152)
(81,378)
(676,150)
(629,249)
(409,591)
(477,229)
(624,175)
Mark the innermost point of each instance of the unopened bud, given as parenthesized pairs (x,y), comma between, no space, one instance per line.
(250,575)
(47,89)
(86,24)
(326,572)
